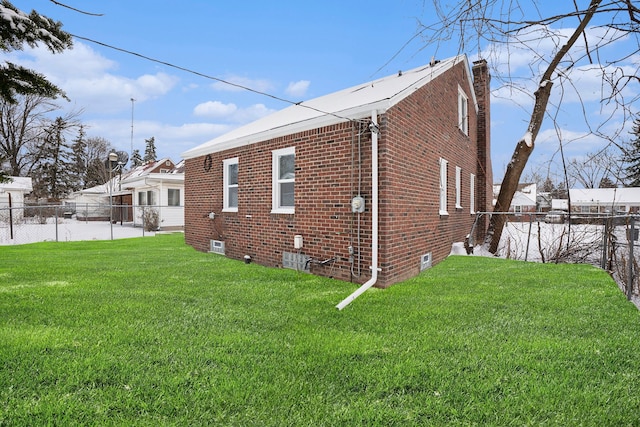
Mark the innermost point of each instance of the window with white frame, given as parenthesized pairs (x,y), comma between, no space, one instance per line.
(230,179)
(443,187)
(146,198)
(472,191)
(458,187)
(173,197)
(463,111)
(283,180)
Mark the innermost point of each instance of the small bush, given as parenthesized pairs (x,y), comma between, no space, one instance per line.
(151,219)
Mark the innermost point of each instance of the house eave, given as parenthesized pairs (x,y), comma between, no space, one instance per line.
(156,178)
(355,114)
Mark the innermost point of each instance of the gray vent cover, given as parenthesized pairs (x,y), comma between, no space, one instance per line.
(425,261)
(295,261)
(217,247)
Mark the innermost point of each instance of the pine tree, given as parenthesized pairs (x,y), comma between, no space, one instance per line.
(17,29)
(150,150)
(78,166)
(607,182)
(54,178)
(4,176)
(136,159)
(632,156)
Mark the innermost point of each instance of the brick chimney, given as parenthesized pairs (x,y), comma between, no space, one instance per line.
(484,176)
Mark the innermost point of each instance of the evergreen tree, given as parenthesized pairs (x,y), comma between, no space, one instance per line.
(150,150)
(4,176)
(136,159)
(632,156)
(54,179)
(17,29)
(606,182)
(548,186)
(78,166)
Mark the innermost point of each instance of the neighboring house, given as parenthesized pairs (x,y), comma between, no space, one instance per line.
(12,198)
(544,201)
(156,185)
(371,183)
(524,200)
(605,200)
(90,204)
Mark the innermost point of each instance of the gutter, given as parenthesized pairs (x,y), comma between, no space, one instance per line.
(374,216)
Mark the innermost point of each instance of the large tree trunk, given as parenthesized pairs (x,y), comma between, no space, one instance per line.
(523,150)
(524,147)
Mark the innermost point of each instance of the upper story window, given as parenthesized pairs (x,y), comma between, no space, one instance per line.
(230,179)
(443,187)
(283,169)
(463,111)
(173,197)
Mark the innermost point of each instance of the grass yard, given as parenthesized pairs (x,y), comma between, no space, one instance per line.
(148,331)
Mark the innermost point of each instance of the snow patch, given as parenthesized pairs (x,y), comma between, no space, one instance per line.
(458,249)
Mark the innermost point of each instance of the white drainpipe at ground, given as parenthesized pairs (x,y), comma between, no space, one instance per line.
(374,215)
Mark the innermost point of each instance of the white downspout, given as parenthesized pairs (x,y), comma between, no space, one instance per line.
(374,216)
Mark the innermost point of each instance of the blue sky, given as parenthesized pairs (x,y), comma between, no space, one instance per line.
(289,49)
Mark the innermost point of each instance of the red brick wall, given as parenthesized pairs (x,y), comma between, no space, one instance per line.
(414,135)
(418,132)
(323,192)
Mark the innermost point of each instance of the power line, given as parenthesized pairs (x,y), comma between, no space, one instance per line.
(206,76)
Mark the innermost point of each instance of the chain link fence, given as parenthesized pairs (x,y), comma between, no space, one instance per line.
(606,241)
(59,223)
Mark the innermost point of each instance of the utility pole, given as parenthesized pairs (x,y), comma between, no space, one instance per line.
(132,101)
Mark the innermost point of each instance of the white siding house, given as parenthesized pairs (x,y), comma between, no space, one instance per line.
(159,187)
(605,200)
(12,196)
(524,199)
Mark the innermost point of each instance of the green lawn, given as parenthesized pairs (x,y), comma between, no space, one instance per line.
(148,331)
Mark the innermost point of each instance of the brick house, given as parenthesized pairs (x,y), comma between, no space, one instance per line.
(295,189)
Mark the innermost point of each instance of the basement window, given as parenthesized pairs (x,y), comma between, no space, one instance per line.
(283,169)
(230,179)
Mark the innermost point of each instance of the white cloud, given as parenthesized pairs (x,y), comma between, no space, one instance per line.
(230,112)
(89,80)
(214,109)
(170,140)
(298,89)
(252,113)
